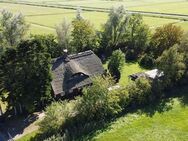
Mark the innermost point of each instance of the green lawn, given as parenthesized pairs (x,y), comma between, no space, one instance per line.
(36,29)
(184,25)
(171,125)
(108,4)
(29,136)
(167,6)
(128,69)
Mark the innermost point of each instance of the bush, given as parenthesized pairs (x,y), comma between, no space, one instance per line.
(56,117)
(97,100)
(130,55)
(140,92)
(116,63)
(147,61)
(123,97)
(54,138)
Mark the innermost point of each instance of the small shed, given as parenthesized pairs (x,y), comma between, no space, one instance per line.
(152,74)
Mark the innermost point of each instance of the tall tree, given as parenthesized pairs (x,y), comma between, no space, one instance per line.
(25,75)
(183,48)
(8,77)
(83,36)
(165,37)
(63,31)
(139,35)
(171,63)
(115,29)
(49,41)
(13,28)
(116,63)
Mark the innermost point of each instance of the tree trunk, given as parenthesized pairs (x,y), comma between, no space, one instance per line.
(1,111)
(15,111)
(20,106)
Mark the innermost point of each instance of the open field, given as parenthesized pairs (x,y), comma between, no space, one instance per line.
(171,125)
(167,6)
(44,19)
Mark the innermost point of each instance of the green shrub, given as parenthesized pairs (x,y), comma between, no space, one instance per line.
(122,96)
(56,117)
(139,91)
(116,63)
(54,138)
(130,55)
(147,61)
(97,100)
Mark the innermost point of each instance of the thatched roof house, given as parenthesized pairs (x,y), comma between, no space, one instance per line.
(72,72)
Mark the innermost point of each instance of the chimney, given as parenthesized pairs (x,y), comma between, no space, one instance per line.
(65,54)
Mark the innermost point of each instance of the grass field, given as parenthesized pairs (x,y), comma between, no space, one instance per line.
(29,136)
(167,6)
(128,69)
(170,125)
(44,19)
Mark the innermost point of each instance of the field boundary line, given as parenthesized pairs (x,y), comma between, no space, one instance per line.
(41,25)
(106,10)
(46,14)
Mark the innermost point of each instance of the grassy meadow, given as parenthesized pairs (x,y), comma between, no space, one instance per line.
(163,121)
(170,125)
(43,20)
(29,136)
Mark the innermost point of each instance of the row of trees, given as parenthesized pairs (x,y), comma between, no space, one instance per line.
(123,31)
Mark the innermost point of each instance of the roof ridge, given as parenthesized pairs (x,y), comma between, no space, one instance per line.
(80,54)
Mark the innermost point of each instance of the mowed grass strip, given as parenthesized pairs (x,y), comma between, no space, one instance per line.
(32,10)
(37,29)
(175,8)
(50,17)
(109,4)
(171,125)
(96,18)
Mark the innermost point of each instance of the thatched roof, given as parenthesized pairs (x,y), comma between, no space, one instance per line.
(74,71)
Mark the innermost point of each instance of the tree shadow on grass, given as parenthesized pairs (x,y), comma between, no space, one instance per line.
(150,109)
(166,104)
(159,106)
(182,94)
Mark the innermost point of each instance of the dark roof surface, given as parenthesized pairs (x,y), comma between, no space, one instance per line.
(74,71)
